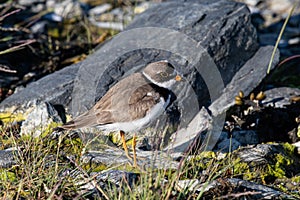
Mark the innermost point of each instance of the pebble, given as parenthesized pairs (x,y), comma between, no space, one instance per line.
(100,9)
(41,115)
(68,9)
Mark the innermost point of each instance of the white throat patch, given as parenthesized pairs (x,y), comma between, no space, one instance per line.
(168,84)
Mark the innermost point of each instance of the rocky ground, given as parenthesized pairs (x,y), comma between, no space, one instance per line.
(235,138)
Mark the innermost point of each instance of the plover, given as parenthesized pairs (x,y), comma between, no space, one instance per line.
(132,103)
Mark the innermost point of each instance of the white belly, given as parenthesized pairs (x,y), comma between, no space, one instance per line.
(138,124)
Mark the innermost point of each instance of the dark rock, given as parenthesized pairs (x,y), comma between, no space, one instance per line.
(257,191)
(43,114)
(237,139)
(275,119)
(108,180)
(183,138)
(276,124)
(241,188)
(269,16)
(246,79)
(107,158)
(147,159)
(246,137)
(226,145)
(280,97)
(116,177)
(7,158)
(221,28)
(278,156)
(208,42)
(55,88)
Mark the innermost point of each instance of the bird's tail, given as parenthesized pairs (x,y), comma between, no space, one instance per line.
(68,126)
(84,120)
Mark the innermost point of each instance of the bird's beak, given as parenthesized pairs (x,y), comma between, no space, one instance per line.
(178,78)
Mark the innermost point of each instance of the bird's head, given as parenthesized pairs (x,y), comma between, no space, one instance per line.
(161,73)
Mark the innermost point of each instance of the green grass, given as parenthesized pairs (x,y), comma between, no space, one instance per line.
(52,168)
(48,168)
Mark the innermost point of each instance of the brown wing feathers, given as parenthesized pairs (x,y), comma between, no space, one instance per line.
(128,100)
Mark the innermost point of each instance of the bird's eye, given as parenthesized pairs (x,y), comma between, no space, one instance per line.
(163,74)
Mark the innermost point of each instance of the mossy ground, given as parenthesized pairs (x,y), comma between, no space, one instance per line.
(49,166)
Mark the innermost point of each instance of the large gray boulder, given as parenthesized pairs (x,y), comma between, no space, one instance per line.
(207,41)
(221,29)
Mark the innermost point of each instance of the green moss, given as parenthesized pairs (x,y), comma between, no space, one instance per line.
(115,138)
(128,167)
(203,160)
(72,146)
(280,166)
(289,149)
(296,179)
(98,167)
(6,142)
(276,166)
(9,117)
(194,165)
(49,128)
(203,155)
(282,187)
(6,175)
(207,154)
(93,167)
(246,170)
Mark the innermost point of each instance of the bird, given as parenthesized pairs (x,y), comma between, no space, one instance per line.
(132,103)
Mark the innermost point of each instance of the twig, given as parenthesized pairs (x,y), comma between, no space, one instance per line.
(18,47)
(52,194)
(4,68)
(238,195)
(93,182)
(288,59)
(8,14)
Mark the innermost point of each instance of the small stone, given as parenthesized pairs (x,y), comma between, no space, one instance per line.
(246,137)
(190,184)
(100,9)
(7,158)
(227,145)
(39,119)
(280,6)
(259,191)
(116,177)
(68,9)
(108,25)
(280,97)
(143,6)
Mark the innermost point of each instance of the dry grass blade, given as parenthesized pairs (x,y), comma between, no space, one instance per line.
(279,37)
(239,195)
(18,47)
